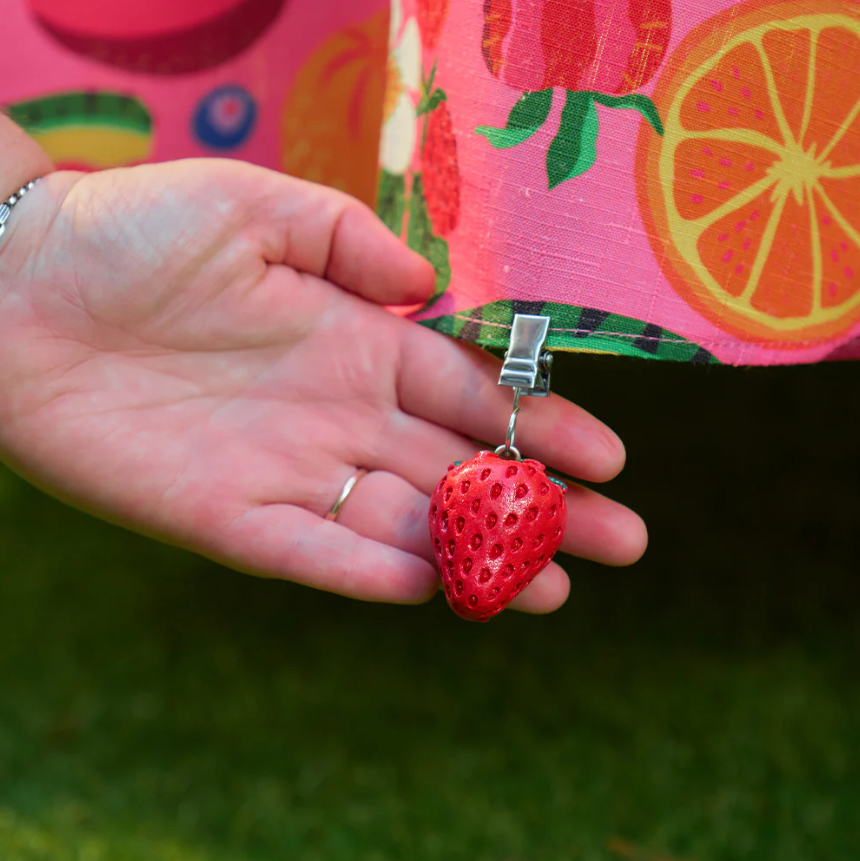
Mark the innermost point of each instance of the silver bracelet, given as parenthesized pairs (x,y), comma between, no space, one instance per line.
(6,206)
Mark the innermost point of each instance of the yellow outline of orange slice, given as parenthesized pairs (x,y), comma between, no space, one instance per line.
(675,238)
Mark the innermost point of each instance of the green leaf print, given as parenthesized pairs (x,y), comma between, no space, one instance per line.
(574,149)
(420,238)
(526,117)
(391,202)
(429,102)
(635,102)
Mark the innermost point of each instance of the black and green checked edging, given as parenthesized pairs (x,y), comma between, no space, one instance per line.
(572,329)
(81,109)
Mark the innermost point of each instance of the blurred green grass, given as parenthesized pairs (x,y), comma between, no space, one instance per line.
(703,705)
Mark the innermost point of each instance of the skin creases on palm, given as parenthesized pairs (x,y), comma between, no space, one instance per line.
(196,350)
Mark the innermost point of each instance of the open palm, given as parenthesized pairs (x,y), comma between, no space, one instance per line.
(196,350)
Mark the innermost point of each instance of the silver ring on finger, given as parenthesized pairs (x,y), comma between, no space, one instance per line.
(351,482)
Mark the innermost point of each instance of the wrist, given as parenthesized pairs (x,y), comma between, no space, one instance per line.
(21,158)
(22,161)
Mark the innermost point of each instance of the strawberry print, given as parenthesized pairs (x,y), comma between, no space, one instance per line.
(495,525)
(598,52)
(431,17)
(612,46)
(440,171)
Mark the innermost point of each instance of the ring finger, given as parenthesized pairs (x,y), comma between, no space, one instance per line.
(387,509)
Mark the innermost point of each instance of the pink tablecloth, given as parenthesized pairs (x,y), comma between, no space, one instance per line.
(669,179)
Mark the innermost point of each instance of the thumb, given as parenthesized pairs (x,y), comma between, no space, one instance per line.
(329,234)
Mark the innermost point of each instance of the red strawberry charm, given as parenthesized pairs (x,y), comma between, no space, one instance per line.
(495,525)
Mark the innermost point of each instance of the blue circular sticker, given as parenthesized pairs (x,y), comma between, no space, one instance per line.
(225,117)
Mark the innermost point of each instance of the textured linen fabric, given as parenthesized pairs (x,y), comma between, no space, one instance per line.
(294,85)
(671,179)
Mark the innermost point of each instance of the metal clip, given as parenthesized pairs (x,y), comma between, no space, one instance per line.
(526,369)
(527,364)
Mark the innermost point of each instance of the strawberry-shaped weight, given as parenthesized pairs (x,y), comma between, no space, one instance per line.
(495,525)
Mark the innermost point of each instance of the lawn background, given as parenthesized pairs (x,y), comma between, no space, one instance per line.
(702,705)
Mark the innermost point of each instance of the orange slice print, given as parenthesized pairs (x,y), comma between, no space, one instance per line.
(751,201)
(333,115)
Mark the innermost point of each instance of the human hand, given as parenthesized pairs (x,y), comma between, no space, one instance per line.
(195,350)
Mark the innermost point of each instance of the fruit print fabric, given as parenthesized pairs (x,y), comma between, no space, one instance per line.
(104,83)
(332,117)
(157,37)
(88,130)
(619,45)
(225,118)
(764,221)
(675,180)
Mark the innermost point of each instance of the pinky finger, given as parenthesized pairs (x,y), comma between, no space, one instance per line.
(546,593)
(287,542)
